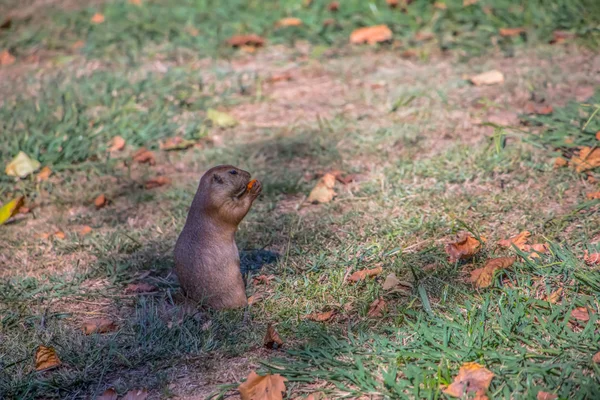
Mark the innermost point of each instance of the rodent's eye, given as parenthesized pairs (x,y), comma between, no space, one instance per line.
(233,172)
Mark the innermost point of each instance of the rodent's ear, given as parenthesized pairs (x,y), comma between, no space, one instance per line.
(217,178)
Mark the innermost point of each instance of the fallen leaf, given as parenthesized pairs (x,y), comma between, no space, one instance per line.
(392,3)
(546,396)
(272,339)
(268,387)
(391,281)
(262,279)
(598,135)
(156,182)
(593,196)
(596,358)
(561,36)
(555,296)
(102,325)
(78,45)
(464,248)
(109,394)
(538,247)
(255,298)
(59,235)
(100,201)
(440,5)
(518,240)
(591,259)
(117,144)
(560,162)
(97,18)
(469,2)
(508,32)
(10,209)
(144,156)
(377,308)
(424,36)
(85,230)
(539,109)
(334,6)
(581,314)
(285,22)
(46,358)
(323,191)
(588,158)
(176,143)
(248,49)
(285,76)
(364,273)
(371,35)
(44,174)
(471,377)
(22,166)
(246,40)
(6,58)
(140,288)
(136,394)
(135,2)
(221,119)
(321,317)
(493,77)
(483,277)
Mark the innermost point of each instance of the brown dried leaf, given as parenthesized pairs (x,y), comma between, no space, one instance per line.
(377,308)
(141,287)
(272,339)
(136,394)
(560,162)
(143,156)
(546,396)
(117,144)
(518,240)
(588,158)
(424,36)
(464,248)
(581,314)
(321,317)
(364,273)
(591,259)
(268,387)
(85,230)
(334,6)
(593,196)
(255,298)
(285,76)
(482,277)
(97,18)
(44,174)
(539,109)
(391,281)
(156,182)
(246,40)
(46,358)
(471,377)
(285,22)
(561,36)
(323,191)
(493,77)
(100,201)
(392,3)
(6,58)
(508,32)
(59,235)
(103,325)
(596,358)
(109,394)
(265,279)
(371,35)
(555,296)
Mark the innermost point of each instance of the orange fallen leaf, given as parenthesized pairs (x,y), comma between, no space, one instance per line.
(472,377)
(482,277)
(85,230)
(102,325)
(6,58)
(320,317)
(268,387)
(100,201)
(371,35)
(265,279)
(596,358)
(593,196)
(377,308)
(546,396)
(246,40)
(285,22)
(598,135)
(493,77)
(581,314)
(144,156)
(364,273)
(59,235)
(46,358)
(518,240)
(464,248)
(588,158)
(537,247)
(508,32)
(156,182)
(333,6)
(555,296)
(539,109)
(591,259)
(117,144)
(560,162)
(109,394)
(97,18)
(136,394)
(323,191)
(140,288)
(272,339)
(44,174)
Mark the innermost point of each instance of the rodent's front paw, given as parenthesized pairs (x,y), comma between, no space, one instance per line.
(254,187)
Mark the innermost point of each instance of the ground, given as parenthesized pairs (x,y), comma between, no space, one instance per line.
(430,156)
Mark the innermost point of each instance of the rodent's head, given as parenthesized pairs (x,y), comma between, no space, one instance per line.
(225,181)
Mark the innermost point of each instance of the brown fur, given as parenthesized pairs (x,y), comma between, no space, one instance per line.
(207,261)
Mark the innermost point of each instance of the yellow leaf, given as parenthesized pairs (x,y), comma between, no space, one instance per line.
(464,248)
(364,273)
(289,22)
(272,339)
(102,325)
(97,18)
(323,191)
(46,358)
(11,208)
(268,387)
(176,143)
(493,77)
(221,119)
(371,35)
(471,377)
(22,166)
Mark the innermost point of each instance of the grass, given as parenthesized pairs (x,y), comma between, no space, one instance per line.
(424,172)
